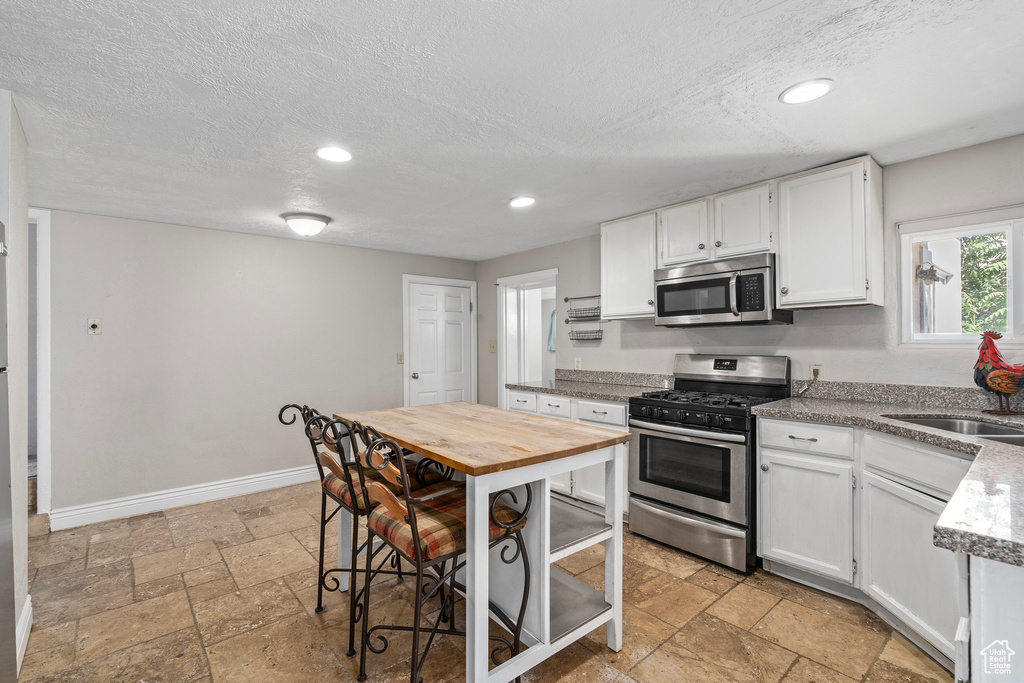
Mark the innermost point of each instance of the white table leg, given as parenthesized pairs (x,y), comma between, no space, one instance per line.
(344,546)
(477,522)
(614,473)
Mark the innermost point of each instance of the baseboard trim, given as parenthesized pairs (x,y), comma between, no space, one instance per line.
(90,513)
(24,629)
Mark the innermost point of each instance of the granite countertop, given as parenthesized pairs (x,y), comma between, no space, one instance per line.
(595,390)
(985,516)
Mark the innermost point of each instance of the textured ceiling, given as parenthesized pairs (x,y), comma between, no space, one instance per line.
(207,113)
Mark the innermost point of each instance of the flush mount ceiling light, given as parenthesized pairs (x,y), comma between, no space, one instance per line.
(807,91)
(520,202)
(333,154)
(306,224)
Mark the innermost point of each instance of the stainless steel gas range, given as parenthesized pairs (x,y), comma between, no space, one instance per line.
(691,460)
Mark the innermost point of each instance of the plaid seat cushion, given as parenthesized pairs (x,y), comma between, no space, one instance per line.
(441,523)
(337,487)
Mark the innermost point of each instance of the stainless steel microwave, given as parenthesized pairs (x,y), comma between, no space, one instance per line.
(736,291)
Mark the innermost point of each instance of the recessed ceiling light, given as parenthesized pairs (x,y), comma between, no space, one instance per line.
(520,202)
(333,154)
(807,91)
(306,224)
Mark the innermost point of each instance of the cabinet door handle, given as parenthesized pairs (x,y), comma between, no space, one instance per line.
(764,468)
(650,302)
(700,246)
(785,290)
(803,438)
(718,244)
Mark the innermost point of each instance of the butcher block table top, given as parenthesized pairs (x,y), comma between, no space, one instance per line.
(477,439)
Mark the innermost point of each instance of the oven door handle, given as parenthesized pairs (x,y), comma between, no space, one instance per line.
(701,434)
(733,299)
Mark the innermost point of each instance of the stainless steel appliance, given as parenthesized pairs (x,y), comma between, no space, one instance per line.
(691,460)
(736,291)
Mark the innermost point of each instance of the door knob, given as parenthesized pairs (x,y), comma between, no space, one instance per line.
(764,468)
(415,375)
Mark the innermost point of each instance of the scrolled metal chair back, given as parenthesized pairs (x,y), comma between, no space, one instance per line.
(386,457)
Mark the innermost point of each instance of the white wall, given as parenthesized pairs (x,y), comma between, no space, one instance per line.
(14,213)
(206,334)
(854,344)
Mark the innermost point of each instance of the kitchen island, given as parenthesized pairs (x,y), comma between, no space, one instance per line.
(498,450)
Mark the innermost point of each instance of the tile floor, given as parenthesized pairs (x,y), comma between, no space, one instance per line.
(225,591)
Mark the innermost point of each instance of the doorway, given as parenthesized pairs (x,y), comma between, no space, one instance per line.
(439,340)
(39,360)
(527,329)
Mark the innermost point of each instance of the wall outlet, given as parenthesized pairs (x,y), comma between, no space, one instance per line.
(401,358)
(492,346)
(94,326)
(817,372)
(578,365)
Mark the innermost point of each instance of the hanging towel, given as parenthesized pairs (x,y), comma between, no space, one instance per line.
(551,332)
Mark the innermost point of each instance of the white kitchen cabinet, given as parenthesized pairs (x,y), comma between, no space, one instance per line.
(587,483)
(806,512)
(743,222)
(628,259)
(830,236)
(901,568)
(684,233)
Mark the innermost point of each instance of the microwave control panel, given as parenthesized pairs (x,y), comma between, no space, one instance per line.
(750,292)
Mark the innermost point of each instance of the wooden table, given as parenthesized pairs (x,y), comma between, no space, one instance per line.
(500,449)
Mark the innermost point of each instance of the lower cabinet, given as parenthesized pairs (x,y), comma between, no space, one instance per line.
(806,513)
(901,567)
(586,484)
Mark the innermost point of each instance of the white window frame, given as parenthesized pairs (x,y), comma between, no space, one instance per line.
(1006,219)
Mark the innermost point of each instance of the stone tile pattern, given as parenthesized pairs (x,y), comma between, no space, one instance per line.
(632,379)
(960,397)
(601,386)
(985,516)
(222,605)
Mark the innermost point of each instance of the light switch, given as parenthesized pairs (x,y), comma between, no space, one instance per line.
(492,346)
(401,358)
(95,327)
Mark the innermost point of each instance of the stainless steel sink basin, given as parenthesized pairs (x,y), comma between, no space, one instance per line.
(985,430)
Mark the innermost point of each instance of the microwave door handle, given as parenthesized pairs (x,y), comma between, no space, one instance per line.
(733,302)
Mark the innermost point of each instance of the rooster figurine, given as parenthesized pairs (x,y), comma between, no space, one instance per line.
(992,373)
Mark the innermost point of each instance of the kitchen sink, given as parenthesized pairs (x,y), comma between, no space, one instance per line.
(985,430)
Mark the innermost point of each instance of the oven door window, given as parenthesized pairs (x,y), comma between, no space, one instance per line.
(699,469)
(699,297)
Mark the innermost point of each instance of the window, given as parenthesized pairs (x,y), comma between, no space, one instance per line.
(957,277)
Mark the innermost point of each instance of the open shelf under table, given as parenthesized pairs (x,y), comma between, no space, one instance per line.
(573,529)
(573,603)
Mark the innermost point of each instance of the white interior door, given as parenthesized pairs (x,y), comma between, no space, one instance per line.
(440,361)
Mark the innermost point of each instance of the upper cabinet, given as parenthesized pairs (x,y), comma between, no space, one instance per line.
(743,221)
(727,224)
(683,233)
(628,260)
(830,236)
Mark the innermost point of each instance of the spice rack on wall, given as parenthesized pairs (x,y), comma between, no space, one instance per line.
(582,314)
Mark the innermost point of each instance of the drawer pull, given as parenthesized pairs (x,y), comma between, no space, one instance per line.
(520,400)
(554,405)
(599,412)
(803,438)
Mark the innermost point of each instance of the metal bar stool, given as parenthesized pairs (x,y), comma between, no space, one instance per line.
(427,528)
(341,482)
